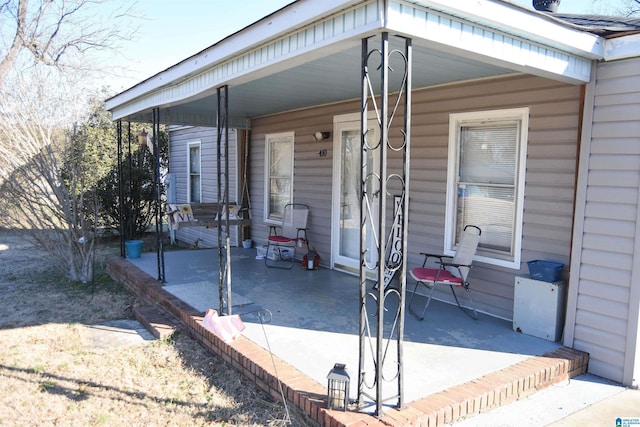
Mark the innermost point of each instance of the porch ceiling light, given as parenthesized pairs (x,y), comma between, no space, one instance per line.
(321,136)
(338,387)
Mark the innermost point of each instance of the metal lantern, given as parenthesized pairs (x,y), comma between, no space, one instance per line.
(338,387)
(142,137)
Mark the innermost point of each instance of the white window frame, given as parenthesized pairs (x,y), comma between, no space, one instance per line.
(189,173)
(456,121)
(270,217)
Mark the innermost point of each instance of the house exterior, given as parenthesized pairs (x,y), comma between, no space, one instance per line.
(604,288)
(521,121)
(193,177)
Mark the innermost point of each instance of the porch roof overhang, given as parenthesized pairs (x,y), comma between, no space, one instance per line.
(308,53)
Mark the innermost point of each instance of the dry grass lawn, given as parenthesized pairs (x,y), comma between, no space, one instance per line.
(50,374)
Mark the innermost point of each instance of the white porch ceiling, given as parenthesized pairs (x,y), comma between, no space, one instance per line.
(318,61)
(334,78)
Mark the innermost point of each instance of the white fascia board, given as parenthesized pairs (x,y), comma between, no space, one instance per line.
(296,47)
(519,21)
(449,32)
(298,14)
(622,48)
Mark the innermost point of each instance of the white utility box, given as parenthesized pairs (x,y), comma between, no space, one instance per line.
(539,307)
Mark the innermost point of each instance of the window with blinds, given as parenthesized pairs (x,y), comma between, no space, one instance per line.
(279,174)
(486,181)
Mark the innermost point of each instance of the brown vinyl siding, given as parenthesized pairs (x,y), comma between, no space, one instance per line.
(549,183)
(551,164)
(312,174)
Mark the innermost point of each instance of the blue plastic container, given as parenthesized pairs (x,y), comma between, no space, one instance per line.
(134,248)
(547,271)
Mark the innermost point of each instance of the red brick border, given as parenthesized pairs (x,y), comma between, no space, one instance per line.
(474,397)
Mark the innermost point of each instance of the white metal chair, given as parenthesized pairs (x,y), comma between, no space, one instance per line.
(451,273)
(281,247)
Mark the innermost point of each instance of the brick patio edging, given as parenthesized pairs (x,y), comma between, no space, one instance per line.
(248,358)
(474,397)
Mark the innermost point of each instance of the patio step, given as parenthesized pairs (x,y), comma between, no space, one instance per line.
(158,323)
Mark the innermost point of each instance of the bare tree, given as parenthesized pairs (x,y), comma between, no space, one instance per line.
(59,33)
(627,8)
(48,166)
(632,8)
(47,173)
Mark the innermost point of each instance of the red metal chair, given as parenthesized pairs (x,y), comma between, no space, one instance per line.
(281,247)
(451,273)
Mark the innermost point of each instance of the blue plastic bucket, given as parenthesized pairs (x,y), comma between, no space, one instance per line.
(134,248)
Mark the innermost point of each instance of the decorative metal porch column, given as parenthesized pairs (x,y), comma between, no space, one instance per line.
(121,185)
(120,188)
(224,246)
(158,193)
(383,222)
(130,187)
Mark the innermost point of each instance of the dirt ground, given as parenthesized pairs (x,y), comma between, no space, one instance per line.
(51,375)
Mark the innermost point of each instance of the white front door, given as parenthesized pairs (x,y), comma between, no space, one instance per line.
(345,253)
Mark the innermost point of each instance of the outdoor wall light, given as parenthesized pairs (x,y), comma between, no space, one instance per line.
(321,136)
(338,387)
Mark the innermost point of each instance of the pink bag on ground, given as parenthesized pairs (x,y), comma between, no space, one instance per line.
(227,328)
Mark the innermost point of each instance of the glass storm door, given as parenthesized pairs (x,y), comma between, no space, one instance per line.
(347,196)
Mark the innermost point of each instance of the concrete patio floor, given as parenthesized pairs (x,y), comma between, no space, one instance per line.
(315,321)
